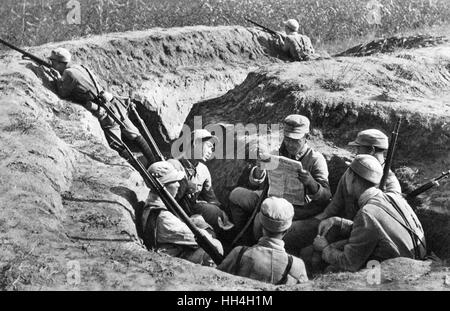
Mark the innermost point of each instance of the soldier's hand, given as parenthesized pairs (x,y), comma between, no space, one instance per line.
(280,37)
(306,178)
(258,173)
(320,243)
(191,187)
(53,73)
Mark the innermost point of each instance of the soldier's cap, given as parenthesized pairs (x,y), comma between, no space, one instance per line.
(202,134)
(61,55)
(165,172)
(367,167)
(276,214)
(296,126)
(371,137)
(292,24)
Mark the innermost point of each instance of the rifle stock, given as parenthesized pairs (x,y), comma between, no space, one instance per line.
(390,154)
(24,53)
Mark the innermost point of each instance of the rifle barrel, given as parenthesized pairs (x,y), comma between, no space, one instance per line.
(390,154)
(273,32)
(428,185)
(25,53)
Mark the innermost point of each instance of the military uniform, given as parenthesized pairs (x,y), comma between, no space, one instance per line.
(79,84)
(376,234)
(164,231)
(244,200)
(203,199)
(384,227)
(197,188)
(267,261)
(342,204)
(298,46)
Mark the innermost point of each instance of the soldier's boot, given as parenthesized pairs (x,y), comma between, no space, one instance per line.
(146,150)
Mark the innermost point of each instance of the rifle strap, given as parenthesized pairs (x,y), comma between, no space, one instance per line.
(92,78)
(284,278)
(405,224)
(411,231)
(237,264)
(191,171)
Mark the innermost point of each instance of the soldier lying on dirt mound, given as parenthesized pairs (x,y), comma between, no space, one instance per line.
(298,46)
(78,83)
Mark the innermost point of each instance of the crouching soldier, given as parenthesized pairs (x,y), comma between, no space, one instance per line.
(384,227)
(267,261)
(163,230)
(372,142)
(198,189)
(299,47)
(79,84)
(312,191)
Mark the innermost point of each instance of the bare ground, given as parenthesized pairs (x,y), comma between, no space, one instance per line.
(66,196)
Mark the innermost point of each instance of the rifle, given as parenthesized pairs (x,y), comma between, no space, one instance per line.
(433,182)
(24,53)
(262,197)
(187,205)
(266,29)
(169,201)
(148,137)
(390,154)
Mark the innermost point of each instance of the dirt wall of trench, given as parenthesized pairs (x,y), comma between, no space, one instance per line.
(67,200)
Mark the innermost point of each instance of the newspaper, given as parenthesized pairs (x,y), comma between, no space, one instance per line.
(283,178)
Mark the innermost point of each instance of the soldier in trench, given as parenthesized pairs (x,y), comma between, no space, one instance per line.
(371,142)
(165,232)
(268,261)
(314,191)
(79,84)
(384,226)
(198,189)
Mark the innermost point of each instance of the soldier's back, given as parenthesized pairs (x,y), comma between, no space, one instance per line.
(300,46)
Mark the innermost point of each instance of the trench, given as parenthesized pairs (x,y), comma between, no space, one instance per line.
(227,75)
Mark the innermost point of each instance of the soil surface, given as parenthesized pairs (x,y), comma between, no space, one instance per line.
(67,200)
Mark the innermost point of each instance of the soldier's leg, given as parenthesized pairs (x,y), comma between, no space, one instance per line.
(210,212)
(110,127)
(243,201)
(300,235)
(131,132)
(309,210)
